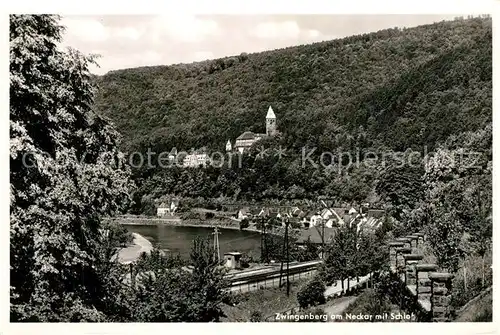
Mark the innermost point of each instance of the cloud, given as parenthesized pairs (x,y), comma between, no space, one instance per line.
(137,40)
(88,30)
(184,28)
(275,30)
(128,33)
(313,33)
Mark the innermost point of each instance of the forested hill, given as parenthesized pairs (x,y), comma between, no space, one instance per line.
(397,88)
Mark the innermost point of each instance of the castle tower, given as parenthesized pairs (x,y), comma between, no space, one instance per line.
(270,122)
(228,146)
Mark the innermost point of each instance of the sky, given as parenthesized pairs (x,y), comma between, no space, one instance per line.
(126,41)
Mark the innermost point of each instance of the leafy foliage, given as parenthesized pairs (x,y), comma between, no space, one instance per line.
(66,172)
(256,316)
(244,223)
(340,256)
(170,292)
(458,178)
(312,294)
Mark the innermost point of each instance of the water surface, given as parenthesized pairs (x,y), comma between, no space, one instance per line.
(179,240)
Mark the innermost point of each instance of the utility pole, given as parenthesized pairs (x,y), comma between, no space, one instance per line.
(322,232)
(263,240)
(286,252)
(216,242)
(287,259)
(323,240)
(282,258)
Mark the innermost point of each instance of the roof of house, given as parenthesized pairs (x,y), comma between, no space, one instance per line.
(369,223)
(302,214)
(173,151)
(163,205)
(309,214)
(255,210)
(346,218)
(233,253)
(273,215)
(314,233)
(376,213)
(244,210)
(326,211)
(340,210)
(247,135)
(270,113)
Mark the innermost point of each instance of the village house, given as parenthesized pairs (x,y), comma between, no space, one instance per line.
(163,209)
(256,212)
(242,213)
(315,219)
(195,159)
(306,217)
(167,208)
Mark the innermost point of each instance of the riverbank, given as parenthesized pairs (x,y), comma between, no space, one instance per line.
(131,253)
(176,221)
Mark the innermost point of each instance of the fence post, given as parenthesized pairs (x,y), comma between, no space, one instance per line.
(411,260)
(424,284)
(440,296)
(392,253)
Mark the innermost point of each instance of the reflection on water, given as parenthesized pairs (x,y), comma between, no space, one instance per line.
(178,240)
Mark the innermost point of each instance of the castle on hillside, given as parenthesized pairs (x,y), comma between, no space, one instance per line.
(248,138)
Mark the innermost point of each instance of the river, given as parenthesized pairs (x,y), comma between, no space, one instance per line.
(179,240)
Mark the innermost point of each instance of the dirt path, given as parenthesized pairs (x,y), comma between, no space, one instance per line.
(339,306)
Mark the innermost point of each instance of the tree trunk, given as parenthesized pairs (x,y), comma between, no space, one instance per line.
(465,277)
(482,270)
(342,283)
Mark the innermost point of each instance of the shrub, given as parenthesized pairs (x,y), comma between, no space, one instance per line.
(312,294)
(369,302)
(245,260)
(244,224)
(256,316)
(119,235)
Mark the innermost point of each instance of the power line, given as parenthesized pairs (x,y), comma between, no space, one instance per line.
(238,239)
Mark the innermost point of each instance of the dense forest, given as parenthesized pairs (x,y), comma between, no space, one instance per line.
(392,90)
(404,87)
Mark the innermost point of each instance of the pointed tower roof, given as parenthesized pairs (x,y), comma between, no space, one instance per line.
(270,114)
(228,142)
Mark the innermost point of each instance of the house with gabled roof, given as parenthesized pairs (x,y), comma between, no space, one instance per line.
(163,209)
(256,211)
(243,213)
(167,207)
